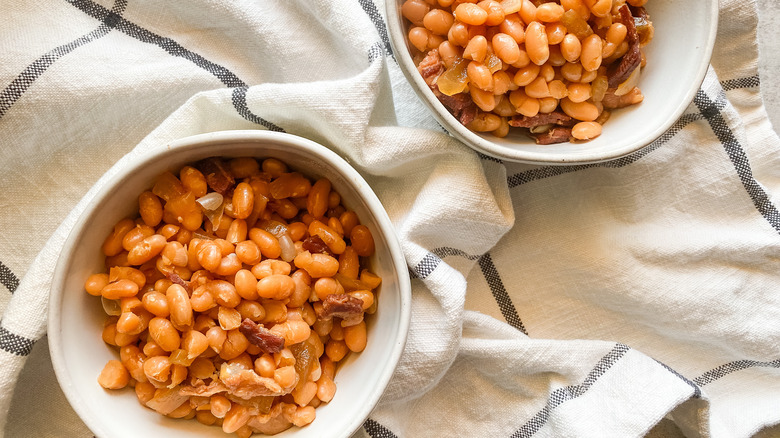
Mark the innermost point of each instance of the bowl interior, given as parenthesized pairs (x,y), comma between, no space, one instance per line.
(76,319)
(677,61)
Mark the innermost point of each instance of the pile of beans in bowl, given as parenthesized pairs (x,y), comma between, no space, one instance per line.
(235,294)
(555,69)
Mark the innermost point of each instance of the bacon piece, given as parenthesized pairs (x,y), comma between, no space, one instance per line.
(459,105)
(315,244)
(344,306)
(556,134)
(555,117)
(633,56)
(261,336)
(431,67)
(218,177)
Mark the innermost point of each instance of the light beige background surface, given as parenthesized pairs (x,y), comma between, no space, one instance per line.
(42,397)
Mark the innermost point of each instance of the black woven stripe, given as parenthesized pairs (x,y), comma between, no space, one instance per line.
(489,158)
(14,91)
(239,102)
(427,265)
(738,158)
(431,261)
(8,279)
(15,344)
(561,395)
(373,13)
(375,52)
(726,369)
(446,251)
(749,82)
(376,430)
(503,299)
(696,388)
(226,76)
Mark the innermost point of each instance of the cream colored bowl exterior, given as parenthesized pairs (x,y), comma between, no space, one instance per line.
(677,61)
(76,319)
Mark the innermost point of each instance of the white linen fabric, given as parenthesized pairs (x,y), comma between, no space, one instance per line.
(576,301)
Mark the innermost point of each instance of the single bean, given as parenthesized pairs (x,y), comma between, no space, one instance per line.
(583,111)
(193,180)
(525,105)
(316,265)
(578,6)
(150,208)
(157,369)
(438,21)
(267,242)
(164,333)
(591,52)
(549,12)
(459,34)
(229,318)
(414,11)
(355,337)
(495,12)
(511,6)
(114,375)
(484,122)
(362,240)
(277,287)
(235,344)
(251,309)
(514,27)
(133,360)
(202,300)
(506,48)
(571,47)
(526,75)
(579,92)
(471,14)
(586,130)
(528,12)
(336,350)
(136,236)
(144,391)
(326,389)
(548,104)
(558,90)
(476,49)
(112,245)
(95,283)
(146,250)
(537,88)
(270,267)
(243,167)
(599,8)
(123,288)
(180,307)
(536,43)
(418,37)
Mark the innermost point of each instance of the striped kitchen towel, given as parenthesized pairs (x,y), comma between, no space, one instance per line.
(578,301)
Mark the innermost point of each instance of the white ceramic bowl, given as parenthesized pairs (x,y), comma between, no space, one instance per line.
(677,61)
(76,318)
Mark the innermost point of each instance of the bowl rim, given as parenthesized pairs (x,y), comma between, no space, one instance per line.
(233,137)
(479,143)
